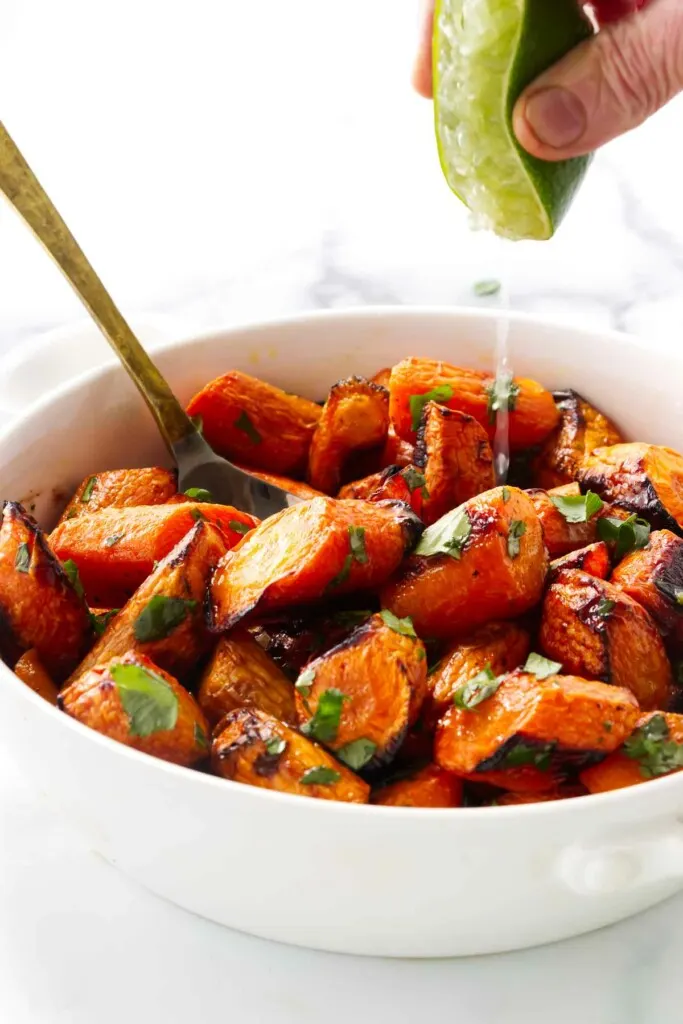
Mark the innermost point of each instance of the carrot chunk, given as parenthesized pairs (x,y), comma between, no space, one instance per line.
(653,750)
(30,670)
(593,559)
(533,413)
(319,548)
(116,549)
(430,787)
(653,576)
(120,488)
(581,430)
(396,451)
(643,479)
(254,423)
(255,748)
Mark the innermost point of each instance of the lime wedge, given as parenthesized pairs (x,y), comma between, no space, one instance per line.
(485,54)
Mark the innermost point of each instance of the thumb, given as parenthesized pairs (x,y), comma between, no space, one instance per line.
(606,86)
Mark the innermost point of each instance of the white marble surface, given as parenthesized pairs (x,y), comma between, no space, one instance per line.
(227,161)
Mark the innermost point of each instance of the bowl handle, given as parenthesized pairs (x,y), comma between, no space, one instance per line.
(595,868)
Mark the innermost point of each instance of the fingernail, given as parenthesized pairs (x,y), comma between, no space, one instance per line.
(556,117)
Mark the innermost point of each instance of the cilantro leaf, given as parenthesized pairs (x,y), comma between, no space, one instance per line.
(200,737)
(198,515)
(541,667)
(626,534)
(357,753)
(239,527)
(483,289)
(441,393)
(244,424)
(22,559)
(324,724)
(88,489)
(604,607)
(577,508)
(343,574)
(303,683)
(357,542)
(403,626)
(160,616)
(650,745)
(506,494)
(502,394)
(276,746)
(112,541)
(149,702)
(198,494)
(447,536)
(71,569)
(415,480)
(539,755)
(516,531)
(478,689)
(100,621)
(320,775)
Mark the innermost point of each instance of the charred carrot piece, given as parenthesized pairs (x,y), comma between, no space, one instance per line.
(355,418)
(318,548)
(120,488)
(165,617)
(407,484)
(653,576)
(116,549)
(595,630)
(256,424)
(455,456)
(133,701)
(644,479)
(396,451)
(31,671)
(40,607)
(430,787)
(382,377)
(241,674)
(560,535)
(485,560)
(593,559)
(257,749)
(292,640)
(533,413)
(498,647)
(653,750)
(360,697)
(581,430)
(531,722)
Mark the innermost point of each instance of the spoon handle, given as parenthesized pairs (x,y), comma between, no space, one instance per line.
(25,193)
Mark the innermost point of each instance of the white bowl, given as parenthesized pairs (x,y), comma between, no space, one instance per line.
(356,879)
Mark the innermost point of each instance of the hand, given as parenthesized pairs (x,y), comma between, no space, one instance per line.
(603,88)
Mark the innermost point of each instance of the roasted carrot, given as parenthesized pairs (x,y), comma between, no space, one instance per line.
(653,750)
(653,576)
(593,559)
(531,722)
(560,535)
(360,697)
(355,418)
(292,640)
(255,748)
(643,479)
(40,606)
(396,451)
(119,488)
(241,674)
(533,413)
(382,377)
(430,787)
(133,701)
(595,630)
(257,424)
(581,430)
(483,561)
(115,549)
(317,548)
(31,671)
(392,484)
(165,618)
(454,454)
(499,647)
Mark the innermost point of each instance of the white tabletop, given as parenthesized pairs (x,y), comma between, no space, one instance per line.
(221,162)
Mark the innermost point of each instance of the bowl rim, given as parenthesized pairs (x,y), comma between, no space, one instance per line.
(587,804)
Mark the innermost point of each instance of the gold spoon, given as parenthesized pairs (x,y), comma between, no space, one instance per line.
(198,465)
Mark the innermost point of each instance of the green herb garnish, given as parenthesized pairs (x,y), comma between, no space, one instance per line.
(604,607)
(198,494)
(441,393)
(415,480)
(650,745)
(239,527)
(447,536)
(541,667)
(506,494)
(479,688)
(112,541)
(483,289)
(516,531)
(607,726)
(148,700)
(88,489)
(343,574)
(160,616)
(71,569)
(100,621)
(403,626)
(626,534)
(502,394)
(577,508)
(321,776)
(71,514)
(198,515)
(22,559)
(303,683)
(524,753)
(357,753)
(357,541)
(244,424)
(324,724)
(200,737)
(275,746)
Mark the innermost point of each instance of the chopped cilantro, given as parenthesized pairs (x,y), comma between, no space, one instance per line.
(651,746)
(22,559)
(324,724)
(357,753)
(577,508)
(160,616)
(320,775)
(71,569)
(541,667)
(502,394)
(478,689)
(403,626)
(239,527)
(198,494)
(626,534)
(88,489)
(447,536)
(149,702)
(483,289)
(516,531)
(441,393)
(244,424)
(276,746)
